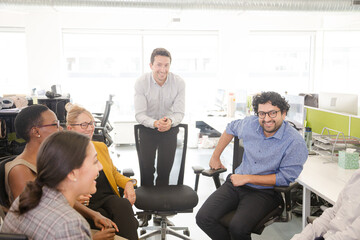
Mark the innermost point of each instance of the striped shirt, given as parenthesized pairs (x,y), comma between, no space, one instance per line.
(282,154)
(53,218)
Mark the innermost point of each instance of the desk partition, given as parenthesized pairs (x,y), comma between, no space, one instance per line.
(317,119)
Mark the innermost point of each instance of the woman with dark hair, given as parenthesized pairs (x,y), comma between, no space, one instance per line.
(107,199)
(34,124)
(67,167)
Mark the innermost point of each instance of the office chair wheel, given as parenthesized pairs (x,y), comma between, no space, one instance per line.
(187,233)
(142,232)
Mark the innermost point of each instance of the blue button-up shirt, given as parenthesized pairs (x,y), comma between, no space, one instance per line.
(282,154)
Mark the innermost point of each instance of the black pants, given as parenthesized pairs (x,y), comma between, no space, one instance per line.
(119,210)
(251,206)
(164,143)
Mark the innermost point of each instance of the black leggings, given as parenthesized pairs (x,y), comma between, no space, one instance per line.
(119,210)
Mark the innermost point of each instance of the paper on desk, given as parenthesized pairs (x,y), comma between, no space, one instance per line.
(10,110)
(350,150)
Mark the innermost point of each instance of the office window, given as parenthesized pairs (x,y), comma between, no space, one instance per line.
(13,61)
(194,58)
(102,63)
(280,62)
(341,62)
(102,55)
(194,55)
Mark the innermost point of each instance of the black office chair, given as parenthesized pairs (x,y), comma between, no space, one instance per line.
(102,124)
(276,215)
(167,200)
(4,198)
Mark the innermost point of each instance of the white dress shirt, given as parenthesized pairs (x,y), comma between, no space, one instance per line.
(342,221)
(153,102)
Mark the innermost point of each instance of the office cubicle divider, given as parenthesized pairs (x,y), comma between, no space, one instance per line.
(317,119)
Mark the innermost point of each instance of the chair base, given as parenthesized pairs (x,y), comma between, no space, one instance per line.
(163,230)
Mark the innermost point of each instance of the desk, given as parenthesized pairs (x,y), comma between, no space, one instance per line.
(124,130)
(218,123)
(325,179)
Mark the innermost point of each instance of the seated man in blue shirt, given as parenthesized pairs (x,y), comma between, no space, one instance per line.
(274,154)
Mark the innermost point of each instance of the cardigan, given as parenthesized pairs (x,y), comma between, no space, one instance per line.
(113,176)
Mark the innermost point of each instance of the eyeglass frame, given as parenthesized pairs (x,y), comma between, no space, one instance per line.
(268,113)
(57,124)
(91,123)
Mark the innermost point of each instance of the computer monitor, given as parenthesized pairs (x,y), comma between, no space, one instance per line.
(296,112)
(57,105)
(339,102)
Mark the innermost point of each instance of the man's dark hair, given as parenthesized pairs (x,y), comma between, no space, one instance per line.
(28,118)
(159,52)
(274,98)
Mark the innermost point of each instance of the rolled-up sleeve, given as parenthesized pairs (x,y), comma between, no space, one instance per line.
(292,163)
(235,127)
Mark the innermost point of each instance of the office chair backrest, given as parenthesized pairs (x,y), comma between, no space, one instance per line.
(106,115)
(237,154)
(139,127)
(4,198)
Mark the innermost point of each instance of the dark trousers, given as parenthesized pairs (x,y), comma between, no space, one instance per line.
(119,210)
(164,144)
(251,206)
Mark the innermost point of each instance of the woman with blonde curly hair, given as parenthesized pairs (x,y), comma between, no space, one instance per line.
(107,200)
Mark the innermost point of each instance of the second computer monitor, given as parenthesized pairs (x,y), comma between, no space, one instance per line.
(339,102)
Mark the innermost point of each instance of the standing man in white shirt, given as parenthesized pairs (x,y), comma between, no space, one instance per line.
(160,107)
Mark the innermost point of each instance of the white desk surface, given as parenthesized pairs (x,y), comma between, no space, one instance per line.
(325,179)
(219,123)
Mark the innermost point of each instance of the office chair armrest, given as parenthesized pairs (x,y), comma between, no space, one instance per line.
(128,172)
(197,169)
(311,219)
(213,172)
(13,236)
(286,190)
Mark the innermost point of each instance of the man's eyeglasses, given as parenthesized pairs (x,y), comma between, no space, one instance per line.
(84,125)
(271,114)
(57,124)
